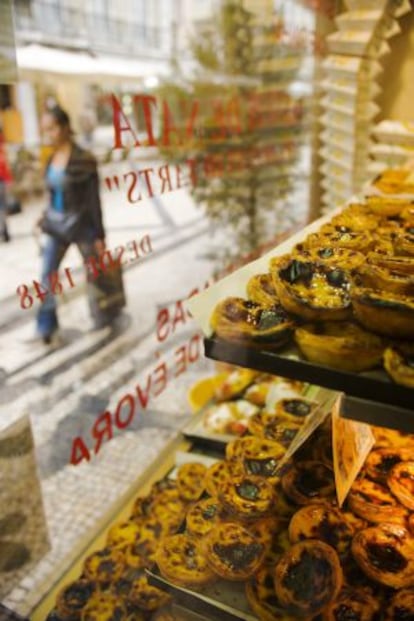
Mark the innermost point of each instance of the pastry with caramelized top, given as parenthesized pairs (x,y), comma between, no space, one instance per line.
(247,497)
(401,482)
(74,597)
(260,289)
(276,428)
(311,290)
(255,456)
(380,462)
(181,559)
(216,475)
(373,502)
(401,606)
(190,480)
(399,364)
(104,565)
(308,578)
(203,516)
(233,552)
(386,553)
(386,313)
(308,481)
(356,603)
(324,522)
(261,595)
(105,607)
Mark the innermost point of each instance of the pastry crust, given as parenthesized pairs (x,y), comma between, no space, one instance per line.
(386,554)
(235,384)
(342,345)
(329,254)
(342,236)
(399,364)
(387,207)
(279,429)
(392,438)
(104,565)
(356,603)
(260,289)
(147,597)
(308,481)
(389,314)
(247,496)
(401,606)
(379,277)
(182,561)
(323,522)
(311,290)
(380,462)
(216,475)
(236,319)
(308,577)
(262,598)
(373,502)
(401,483)
(74,597)
(296,409)
(233,552)
(190,481)
(122,533)
(255,456)
(103,607)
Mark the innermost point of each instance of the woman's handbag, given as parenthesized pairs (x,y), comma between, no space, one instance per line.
(62,225)
(106,295)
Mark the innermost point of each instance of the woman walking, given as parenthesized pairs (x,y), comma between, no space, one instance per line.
(74,212)
(5,179)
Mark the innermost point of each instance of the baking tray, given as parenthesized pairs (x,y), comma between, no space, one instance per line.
(221,601)
(371,386)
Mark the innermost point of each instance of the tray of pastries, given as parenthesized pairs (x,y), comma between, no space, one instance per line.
(333,306)
(275,545)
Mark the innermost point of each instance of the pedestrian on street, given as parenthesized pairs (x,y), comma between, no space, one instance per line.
(5,180)
(73,215)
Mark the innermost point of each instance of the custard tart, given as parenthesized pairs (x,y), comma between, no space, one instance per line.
(356,603)
(387,207)
(261,595)
(104,566)
(147,597)
(399,364)
(203,516)
(122,533)
(341,236)
(329,254)
(295,410)
(356,217)
(380,462)
(386,313)
(233,552)
(279,429)
(216,475)
(376,276)
(404,243)
(392,438)
(308,578)
(72,598)
(393,181)
(104,607)
(181,560)
(260,289)
(401,606)
(386,554)
(247,497)
(239,320)
(311,290)
(324,522)
(402,266)
(401,483)
(342,345)
(308,481)
(255,456)
(190,480)
(373,502)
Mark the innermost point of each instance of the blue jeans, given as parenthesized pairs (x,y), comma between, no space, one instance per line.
(53,253)
(3,211)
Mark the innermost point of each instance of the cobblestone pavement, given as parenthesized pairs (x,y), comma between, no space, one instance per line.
(65,390)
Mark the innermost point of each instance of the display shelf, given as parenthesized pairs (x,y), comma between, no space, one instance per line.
(372,397)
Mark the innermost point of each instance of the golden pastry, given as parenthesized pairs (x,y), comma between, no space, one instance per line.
(146,542)
(296,409)
(329,254)
(342,236)
(147,597)
(247,496)
(324,522)
(342,345)
(308,481)
(401,483)
(275,428)
(386,313)
(104,565)
(235,384)
(233,552)
(216,474)
(261,595)
(386,553)
(255,456)
(266,529)
(410,523)
(73,597)
(236,319)
(377,276)
(260,289)
(385,206)
(190,480)
(399,364)
(105,607)
(202,517)
(404,242)
(380,461)
(308,578)
(122,533)
(355,217)
(311,290)
(401,606)
(356,603)
(182,561)
(373,502)
(392,438)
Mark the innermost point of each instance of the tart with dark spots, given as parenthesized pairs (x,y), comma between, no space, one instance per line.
(190,481)
(105,607)
(386,554)
(380,462)
(203,516)
(72,598)
(342,345)
(247,497)
(404,242)
(122,533)
(295,409)
(233,552)
(147,597)
(399,364)
(104,565)
(375,276)
(181,559)
(253,456)
(260,289)
(353,604)
(324,522)
(333,255)
(239,320)
(261,595)
(401,483)
(308,481)
(342,236)
(308,578)
(373,502)
(392,438)
(216,474)
(311,290)
(279,429)
(401,606)
(387,207)
(388,313)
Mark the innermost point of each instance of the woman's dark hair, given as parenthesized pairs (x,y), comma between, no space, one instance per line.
(60,116)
